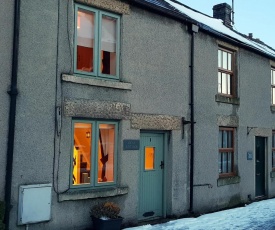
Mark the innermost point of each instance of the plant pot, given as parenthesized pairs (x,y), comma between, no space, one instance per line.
(111,224)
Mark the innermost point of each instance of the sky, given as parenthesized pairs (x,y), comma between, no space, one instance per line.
(251,16)
(255,216)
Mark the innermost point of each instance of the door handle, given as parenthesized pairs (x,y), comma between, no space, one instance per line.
(162,165)
(258,174)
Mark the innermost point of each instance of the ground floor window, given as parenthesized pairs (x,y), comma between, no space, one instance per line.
(226,151)
(94,153)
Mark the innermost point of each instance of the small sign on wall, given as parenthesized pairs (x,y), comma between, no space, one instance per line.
(130,144)
(249,155)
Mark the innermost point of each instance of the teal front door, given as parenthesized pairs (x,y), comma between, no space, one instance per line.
(151,176)
(260,166)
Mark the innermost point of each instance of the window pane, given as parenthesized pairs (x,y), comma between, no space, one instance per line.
(108,45)
(82,153)
(219,82)
(224,60)
(273,140)
(224,83)
(220,163)
(273,95)
(224,144)
(220,139)
(228,84)
(106,148)
(149,157)
(229,61)
(85,40)
(219,58)
(230,141)
(273,159)
(229,162)
(224,162)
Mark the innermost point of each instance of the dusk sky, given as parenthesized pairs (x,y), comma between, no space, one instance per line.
(251,16)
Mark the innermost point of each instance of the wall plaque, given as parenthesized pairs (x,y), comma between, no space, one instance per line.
(249,155)
(130,144)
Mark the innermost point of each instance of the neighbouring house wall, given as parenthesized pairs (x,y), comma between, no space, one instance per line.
(255,96)
(6,39)
(253,83)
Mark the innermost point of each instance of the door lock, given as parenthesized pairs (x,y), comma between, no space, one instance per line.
(162,165)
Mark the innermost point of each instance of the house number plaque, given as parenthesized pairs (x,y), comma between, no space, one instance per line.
(130,144)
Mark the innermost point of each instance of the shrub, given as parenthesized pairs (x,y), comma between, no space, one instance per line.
(108,210)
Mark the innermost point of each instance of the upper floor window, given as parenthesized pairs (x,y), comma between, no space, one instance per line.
(272,86)
(226,151)
(97,42)
(226,72)
(273,150)
(94,153)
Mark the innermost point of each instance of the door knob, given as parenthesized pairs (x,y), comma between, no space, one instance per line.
(162,165)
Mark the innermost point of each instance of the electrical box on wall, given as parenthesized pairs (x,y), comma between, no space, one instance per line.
(34,203)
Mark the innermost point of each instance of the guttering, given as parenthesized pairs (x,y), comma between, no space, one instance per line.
(13,95)
(193,30)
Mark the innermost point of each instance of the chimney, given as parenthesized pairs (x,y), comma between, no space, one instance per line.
(223,11)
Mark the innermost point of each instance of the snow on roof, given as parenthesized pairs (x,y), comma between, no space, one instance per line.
(210,24)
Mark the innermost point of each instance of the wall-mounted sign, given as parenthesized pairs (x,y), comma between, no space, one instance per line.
(130,144)
(249,155)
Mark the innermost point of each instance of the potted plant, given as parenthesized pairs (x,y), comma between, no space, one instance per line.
(105,216)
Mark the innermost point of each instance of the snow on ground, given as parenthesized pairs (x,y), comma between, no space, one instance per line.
(258,215)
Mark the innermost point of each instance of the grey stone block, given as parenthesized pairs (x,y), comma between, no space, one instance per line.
(96,109)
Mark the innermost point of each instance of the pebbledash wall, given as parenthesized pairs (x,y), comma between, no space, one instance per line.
(152,94)
(252,109)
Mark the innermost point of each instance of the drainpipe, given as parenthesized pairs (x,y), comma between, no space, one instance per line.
(13,95)
(194,29)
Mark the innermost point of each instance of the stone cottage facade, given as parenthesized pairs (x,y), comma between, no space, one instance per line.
(135,102)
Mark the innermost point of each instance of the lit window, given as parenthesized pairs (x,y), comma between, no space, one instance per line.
(94,153)
(273,86)
(273,150)
(226,151)
(96,43)
(225,73)
(149,158)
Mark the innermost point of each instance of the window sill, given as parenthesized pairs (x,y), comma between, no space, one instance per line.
(97,82)
(228,100)
(92,194)
(272,108)
(222,181)
(272,173)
